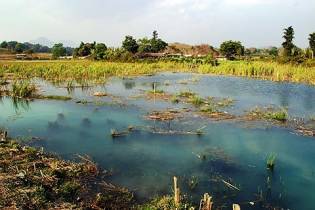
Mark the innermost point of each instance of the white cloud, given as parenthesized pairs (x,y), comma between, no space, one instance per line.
(249,2)
(187,5)
(255,22)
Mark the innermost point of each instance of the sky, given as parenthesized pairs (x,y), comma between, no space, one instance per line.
(256,23)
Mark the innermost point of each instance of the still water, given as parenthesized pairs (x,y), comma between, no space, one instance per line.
(145,162)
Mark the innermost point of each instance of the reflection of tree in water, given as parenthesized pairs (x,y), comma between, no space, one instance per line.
(58,124)
(284,95)
(129,84)
(155,85)
(20,104)
(70,90)
(308,98)
(61,117)
(86,122)
(273,194)
(54,125)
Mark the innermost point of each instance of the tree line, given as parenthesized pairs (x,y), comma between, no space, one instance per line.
(130,47)
(17,47)
(29,48)
(289,51)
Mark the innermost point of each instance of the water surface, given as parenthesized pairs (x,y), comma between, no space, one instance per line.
(145,162)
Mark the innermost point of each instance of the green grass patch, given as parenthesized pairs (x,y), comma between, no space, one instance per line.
(278,115)
(186,94)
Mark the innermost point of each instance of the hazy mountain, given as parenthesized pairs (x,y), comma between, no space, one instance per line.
(46,42)
(42,41)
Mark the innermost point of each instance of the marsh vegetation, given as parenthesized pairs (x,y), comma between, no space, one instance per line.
(187,124)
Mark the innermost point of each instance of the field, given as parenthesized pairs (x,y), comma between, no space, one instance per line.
(91,70)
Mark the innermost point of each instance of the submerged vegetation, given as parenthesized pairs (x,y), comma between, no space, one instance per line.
(271,159)
(269,113)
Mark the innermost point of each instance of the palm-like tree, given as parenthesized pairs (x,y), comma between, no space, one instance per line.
(312,41)
(288,40)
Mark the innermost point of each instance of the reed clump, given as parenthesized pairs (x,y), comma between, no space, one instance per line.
(269,113)
(281,115)
(186,94)
(196,100)
(23,89)
(271,161)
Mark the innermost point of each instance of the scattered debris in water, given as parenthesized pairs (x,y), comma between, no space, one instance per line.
(115,133)
(166,115)
(54,97)
(100,94)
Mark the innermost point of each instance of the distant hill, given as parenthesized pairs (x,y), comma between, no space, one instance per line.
(194,50)
(42,41)
(46,42)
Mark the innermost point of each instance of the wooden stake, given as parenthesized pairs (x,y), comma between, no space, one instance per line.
(207,200)
(3,136)
(176,192)
(206,203)
(236,207)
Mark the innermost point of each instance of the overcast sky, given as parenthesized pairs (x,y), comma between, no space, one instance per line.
(256,23)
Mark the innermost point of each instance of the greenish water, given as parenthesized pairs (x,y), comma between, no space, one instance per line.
(145,162)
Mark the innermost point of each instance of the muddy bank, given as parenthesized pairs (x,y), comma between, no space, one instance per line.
(33,179)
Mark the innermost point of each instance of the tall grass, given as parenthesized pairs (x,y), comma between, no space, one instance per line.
(263,70)
(23,89)
(90,70)
(86,70)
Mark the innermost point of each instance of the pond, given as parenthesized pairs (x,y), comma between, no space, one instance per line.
(145,162)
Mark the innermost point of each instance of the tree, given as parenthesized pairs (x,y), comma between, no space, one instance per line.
(130,44)
(19,48)
(144,45)
(85,49)
(11,45)
(99,51)
(4,44)
(155,35)
(273,51)
(58,50)
(157,44)
(288,41)
(296,51)
(69,51)
(29,51)
(231,49)
(44,49)
(118,54)
(312,41)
